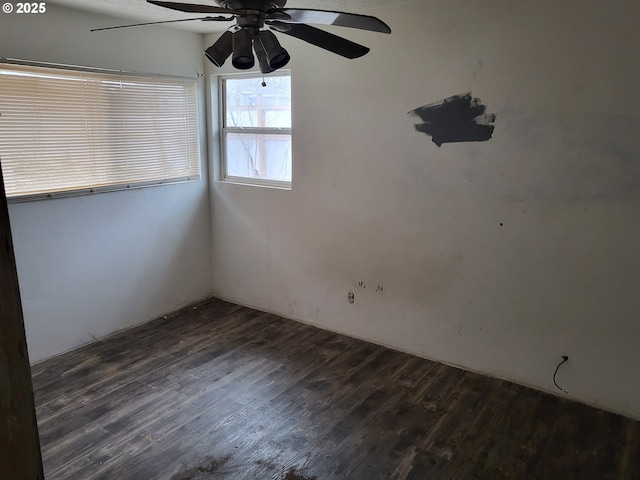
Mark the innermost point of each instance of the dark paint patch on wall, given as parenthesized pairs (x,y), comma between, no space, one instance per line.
(460,118)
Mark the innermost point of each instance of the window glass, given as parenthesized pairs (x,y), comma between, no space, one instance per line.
(256,129)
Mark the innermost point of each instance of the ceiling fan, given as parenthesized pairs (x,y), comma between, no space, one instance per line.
(250,33)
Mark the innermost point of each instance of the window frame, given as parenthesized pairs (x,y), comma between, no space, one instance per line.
(223,130)
(62,192)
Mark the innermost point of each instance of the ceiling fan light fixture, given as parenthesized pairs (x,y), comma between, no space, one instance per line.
(277,56)
(242,41)
(220,50)
(262,57)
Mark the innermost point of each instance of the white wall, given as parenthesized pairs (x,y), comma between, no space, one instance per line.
(91,265)
(374,201)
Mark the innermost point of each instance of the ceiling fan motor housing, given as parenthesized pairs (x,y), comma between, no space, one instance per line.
(251,20)
(261,5)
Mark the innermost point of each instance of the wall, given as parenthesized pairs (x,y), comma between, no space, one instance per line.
(499,256)
(91,265)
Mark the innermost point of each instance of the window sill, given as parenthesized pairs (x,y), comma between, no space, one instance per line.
(251,182)
(35,197)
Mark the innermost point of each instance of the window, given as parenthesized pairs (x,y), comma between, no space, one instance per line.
(68,131)
(256,129)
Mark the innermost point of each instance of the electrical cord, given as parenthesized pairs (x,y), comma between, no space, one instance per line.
(564,359)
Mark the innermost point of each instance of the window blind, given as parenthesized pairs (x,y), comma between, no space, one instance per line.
(72,130)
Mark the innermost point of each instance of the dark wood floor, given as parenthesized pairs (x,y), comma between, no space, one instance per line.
(228,392)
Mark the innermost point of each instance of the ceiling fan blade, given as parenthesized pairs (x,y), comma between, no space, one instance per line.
(206,19)
(192,7)
(328,17)
(321,39)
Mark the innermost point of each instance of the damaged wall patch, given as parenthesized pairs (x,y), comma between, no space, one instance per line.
(460,118)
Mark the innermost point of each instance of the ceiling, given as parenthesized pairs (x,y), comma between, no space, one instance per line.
(137,11)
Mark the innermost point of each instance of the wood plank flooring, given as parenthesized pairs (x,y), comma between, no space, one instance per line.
(227,392)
